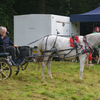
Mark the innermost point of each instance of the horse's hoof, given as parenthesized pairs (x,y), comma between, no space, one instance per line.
(43,77)
(80,78)
(51,77)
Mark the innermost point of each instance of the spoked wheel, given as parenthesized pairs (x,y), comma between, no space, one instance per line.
(24,66)
(5,70)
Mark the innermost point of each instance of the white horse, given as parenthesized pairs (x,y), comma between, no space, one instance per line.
(56,43)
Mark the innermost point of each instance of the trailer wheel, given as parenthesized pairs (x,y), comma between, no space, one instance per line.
(5,70)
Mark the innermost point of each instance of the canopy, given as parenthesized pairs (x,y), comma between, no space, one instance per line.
(92,16)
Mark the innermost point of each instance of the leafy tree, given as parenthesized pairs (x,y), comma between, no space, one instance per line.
(6,14)
(26,7)
(83,6)
(59,7)
(42,6)
(9,8)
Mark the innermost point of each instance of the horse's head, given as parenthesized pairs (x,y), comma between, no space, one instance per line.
(93,39)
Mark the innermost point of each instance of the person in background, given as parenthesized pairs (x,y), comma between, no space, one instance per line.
(96,29)
(6,42)
(95,51)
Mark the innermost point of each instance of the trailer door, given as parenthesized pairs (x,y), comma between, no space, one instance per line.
(62,28)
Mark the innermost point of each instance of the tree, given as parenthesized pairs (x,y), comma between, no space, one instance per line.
(58,7)
(26,7)
(95,3)
(42,6)
(83,6)
(6,14)
(9,8)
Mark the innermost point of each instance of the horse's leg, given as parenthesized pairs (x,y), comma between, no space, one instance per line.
(82,62)
(48,66)
(43,65)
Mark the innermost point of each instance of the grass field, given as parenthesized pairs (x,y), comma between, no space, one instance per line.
(65,85)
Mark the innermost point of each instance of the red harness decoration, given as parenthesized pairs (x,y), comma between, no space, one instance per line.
(78,41)
(72,43)
(89,56)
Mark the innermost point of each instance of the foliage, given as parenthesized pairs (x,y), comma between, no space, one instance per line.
(61,7)
(26,7)
(6,14)
(9,8)
(82,6)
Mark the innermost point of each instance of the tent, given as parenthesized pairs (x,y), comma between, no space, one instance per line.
(92,16)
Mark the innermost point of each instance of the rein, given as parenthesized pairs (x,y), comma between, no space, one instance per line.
(34,41)
(49,35)
(89,56)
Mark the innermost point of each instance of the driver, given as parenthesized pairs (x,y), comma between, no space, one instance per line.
(6,42)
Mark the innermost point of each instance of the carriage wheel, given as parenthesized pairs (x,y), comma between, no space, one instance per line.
(5,70)
(24,66)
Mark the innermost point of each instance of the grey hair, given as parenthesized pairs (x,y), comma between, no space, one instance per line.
(3,28)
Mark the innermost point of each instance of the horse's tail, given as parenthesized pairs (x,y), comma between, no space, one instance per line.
(39,58)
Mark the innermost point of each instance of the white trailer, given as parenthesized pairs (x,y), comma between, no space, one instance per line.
(28,28)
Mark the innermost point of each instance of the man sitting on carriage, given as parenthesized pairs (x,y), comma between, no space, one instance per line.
(13,49)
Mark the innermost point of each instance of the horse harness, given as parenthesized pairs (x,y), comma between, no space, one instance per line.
(76,47)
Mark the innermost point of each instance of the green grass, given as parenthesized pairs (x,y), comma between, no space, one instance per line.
(65,85)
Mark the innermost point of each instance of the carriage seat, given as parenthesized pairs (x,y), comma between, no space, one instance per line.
(4,54)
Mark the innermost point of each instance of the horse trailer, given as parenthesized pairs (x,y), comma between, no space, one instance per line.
(31,27)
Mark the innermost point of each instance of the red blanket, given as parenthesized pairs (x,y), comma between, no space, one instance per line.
(72,43)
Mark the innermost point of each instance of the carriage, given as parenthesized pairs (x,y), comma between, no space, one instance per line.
(7,66)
